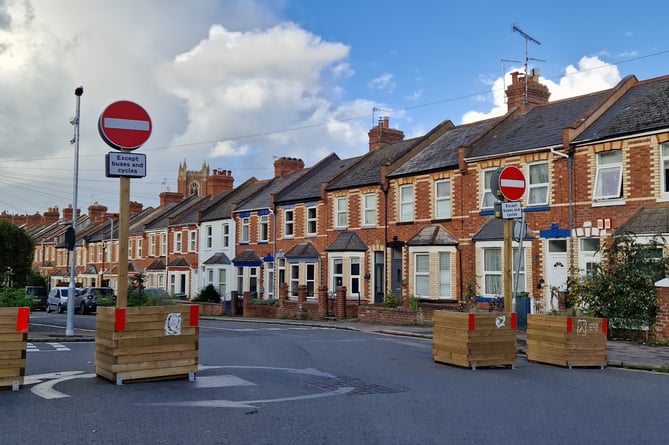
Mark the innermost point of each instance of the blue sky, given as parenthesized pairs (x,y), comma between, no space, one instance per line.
(237,83)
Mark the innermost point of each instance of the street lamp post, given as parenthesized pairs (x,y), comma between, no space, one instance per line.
(69,328)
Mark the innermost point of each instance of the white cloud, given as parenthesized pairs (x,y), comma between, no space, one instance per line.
(591,74)
(385,82)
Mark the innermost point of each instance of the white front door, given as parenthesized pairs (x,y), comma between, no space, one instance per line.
(556,273)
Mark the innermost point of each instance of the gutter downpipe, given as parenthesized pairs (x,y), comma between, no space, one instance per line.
(570,167)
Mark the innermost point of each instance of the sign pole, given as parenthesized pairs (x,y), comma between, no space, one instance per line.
(508,254)
(123,217)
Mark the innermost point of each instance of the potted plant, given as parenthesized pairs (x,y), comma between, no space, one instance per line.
(567,340)
(147,341)
(14,322)
(473,339)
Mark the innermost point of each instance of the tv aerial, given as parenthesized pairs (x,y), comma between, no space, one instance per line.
(527,38)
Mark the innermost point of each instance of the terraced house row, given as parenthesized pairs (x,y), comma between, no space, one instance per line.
(411,217)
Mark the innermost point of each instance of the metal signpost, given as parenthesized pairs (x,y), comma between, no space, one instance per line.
(508,185)
(125,126)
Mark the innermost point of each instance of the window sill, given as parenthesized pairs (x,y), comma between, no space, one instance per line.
(606,203)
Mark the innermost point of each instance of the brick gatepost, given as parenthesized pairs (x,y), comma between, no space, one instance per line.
(341,302)
(302,293)
(233,302)
(283,292)
(245,301)
(322,302)
(661,329)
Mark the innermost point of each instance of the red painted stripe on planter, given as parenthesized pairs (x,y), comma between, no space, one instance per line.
(570,325)
(119,322)
(22,319)
(514,320)
(195,315)
(472,322)
(605,325)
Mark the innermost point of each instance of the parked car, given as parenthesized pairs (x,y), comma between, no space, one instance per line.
(156,292)
(57,299)
(87,300)
(39,295)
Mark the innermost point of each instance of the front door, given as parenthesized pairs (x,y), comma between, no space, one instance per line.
(379,277)
(556,273)
(396,272)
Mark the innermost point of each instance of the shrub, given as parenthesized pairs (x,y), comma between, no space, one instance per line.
(622,287)
(208,295)
(268,302)
(413,303)
(15,298)
(390,299)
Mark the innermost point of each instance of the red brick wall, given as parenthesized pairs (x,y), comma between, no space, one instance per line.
(662,325)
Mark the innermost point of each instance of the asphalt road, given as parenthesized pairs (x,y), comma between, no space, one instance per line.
(282,384)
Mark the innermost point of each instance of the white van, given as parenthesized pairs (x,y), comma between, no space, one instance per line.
(57,299)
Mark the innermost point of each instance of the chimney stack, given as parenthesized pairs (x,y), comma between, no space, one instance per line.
(526,91)
(219,181)
(285,166)
(170,197)
(382,134)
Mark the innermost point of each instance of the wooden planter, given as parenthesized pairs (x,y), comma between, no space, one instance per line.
(14,323)
(566,341)
(474,339)
(145,343)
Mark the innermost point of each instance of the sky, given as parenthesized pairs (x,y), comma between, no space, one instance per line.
(238,83)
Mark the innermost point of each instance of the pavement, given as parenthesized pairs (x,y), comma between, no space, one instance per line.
(620,354)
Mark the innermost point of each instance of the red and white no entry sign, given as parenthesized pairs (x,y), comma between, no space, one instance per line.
(512,183)
(124,125)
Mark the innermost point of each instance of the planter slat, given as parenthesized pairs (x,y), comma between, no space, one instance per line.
(566,341)
(13,345)
(140,344)
(476,339)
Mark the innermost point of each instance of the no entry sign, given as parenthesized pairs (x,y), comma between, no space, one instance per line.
(509,182)
(124,125)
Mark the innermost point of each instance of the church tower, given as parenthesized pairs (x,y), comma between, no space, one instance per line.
(201,182)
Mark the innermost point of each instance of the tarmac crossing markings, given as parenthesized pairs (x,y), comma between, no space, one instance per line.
(46,347)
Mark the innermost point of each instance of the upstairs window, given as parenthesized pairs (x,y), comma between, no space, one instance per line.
(311,221)
(442,199)
(246,223)
(369,210)
(263,229)
(341,213)
(226,235)
(488,199)
(288,223)
(665,168)
(209,236)
(192,241)
(537,188)
(608,183)
(406,203)
(177,241)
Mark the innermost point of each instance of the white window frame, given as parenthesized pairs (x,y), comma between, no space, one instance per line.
(522,282)
(421,274)
(263,229)
(537,185)
(209,236)
(488,199)
(245,233)
(152,244)
(492,271)
(369,210)
(406,203)
(311,214)
(192,241)
(445,277)
(294,279)
(588,254)
(177,241)
(139,245)
(341,213)
(226,235)
(442,199)
(288,223)
(609,177)
(664,169)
